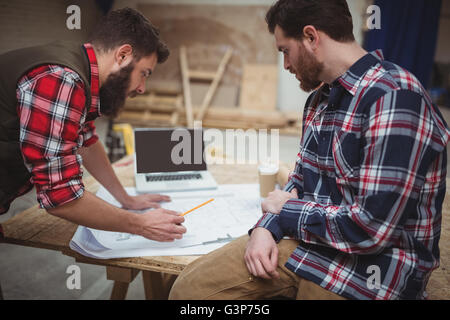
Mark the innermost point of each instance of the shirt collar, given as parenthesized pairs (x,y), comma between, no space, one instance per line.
(94,79)
(351,79)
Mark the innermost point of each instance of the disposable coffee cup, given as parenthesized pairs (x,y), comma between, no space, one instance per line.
(267,178)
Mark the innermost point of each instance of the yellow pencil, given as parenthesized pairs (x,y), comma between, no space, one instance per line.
(197,207)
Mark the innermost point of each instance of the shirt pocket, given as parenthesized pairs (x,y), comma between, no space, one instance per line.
(346,149)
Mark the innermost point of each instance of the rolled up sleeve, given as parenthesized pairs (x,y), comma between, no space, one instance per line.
(51,108)
(89,134)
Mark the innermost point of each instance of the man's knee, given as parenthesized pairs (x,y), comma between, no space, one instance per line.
(211,273)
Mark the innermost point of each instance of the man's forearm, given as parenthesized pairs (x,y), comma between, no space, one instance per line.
(97,163)
(95,213)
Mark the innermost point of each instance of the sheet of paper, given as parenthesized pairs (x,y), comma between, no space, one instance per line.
(85,243)
(235,209)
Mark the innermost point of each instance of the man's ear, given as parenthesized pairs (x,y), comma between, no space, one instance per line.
(123,54)
(311,37)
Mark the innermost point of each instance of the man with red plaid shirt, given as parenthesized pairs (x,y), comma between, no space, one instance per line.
(49,98)
(360,217)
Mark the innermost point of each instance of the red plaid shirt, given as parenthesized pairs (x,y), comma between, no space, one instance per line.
(54,123)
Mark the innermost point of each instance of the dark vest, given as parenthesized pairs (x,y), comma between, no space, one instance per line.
(14,65)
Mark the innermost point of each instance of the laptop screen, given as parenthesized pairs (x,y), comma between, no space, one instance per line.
(169,150)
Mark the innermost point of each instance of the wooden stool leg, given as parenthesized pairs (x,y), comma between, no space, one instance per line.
(122,278)
(157,285)
(119,291)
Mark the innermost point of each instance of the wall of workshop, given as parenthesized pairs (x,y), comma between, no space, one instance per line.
(238,22)
(207,28)
(26,23)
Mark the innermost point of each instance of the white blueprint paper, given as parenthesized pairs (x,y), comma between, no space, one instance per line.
(235,209)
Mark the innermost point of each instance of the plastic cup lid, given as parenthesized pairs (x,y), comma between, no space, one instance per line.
(268,168)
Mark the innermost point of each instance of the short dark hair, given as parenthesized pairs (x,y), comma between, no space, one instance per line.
(330,16)
(128,26)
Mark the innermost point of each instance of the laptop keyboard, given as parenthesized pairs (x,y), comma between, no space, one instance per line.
(174,177)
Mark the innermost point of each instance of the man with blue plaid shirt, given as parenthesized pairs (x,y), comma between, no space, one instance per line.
(360,217)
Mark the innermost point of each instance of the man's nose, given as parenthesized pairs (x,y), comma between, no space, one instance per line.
(286,64)
(141,88)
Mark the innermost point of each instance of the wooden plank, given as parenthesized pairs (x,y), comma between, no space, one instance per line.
(171,265)
(122,278)
(119,291)
(163,120)
(121,274)
(291,131)
(212,89)
(202,75)
(176,113)
(259,87)
(186,87)
(152,101)
(234,117)
(157,285)
(167,264)
(36,228)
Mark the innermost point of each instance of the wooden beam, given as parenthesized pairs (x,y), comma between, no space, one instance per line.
(119,291)
(121,274)
(186,87)
(202,75)
(259,87)
(176,113)
(122,278)
(157,285)
(212,88)
(233,118)
(217,113)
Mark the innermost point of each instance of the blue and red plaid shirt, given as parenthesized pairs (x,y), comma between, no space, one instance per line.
(54,124)
(371,181)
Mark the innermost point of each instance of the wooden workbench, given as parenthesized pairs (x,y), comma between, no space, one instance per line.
(36,228)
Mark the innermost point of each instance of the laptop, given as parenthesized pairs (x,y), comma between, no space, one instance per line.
(170,160)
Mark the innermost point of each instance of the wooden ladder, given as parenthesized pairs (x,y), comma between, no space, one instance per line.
(188,75)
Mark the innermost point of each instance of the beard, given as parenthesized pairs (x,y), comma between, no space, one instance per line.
(309,71)
(113,92)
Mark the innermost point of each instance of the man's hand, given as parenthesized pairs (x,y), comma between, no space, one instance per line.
(161,225)
(261,255)
(144,201)
(93,212)
(276,200)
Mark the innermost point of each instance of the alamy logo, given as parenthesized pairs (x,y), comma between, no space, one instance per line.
(239,146)
(74,280)
(374,21)
(374,280)
(74,20)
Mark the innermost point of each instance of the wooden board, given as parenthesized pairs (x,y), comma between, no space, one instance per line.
(36,228)
(259,87)
(225,96)
(186,87)
(216,113)
(213,87)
